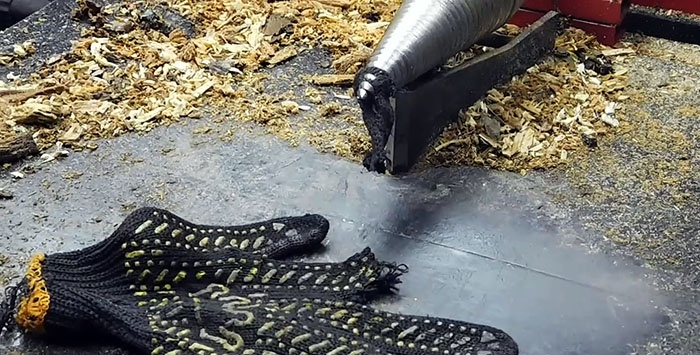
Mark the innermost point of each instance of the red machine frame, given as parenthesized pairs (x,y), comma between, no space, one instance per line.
(603,18)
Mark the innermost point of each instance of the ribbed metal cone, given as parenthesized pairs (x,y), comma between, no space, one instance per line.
(423,35)
(426,33)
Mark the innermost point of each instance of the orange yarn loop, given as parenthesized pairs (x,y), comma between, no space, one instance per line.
(33,307)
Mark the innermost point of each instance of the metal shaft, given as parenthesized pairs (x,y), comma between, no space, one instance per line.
(426,33)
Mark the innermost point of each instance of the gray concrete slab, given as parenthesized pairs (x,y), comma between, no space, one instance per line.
(480,244)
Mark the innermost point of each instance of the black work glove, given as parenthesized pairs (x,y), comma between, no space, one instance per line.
(162,285)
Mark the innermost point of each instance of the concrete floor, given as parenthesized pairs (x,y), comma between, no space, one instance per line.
(527,254)
(514,269)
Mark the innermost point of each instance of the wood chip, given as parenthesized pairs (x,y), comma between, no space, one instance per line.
(617,51)
(121,79)
(544,113)
(73,134)
(332,79)
(275,24)
(283,55)
(337,3)
(18,148)
(17,95)
(6,194)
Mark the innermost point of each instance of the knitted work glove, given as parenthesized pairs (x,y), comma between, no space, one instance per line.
(162,285)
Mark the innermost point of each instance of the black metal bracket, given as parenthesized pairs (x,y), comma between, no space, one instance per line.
(675,28)
(426,106)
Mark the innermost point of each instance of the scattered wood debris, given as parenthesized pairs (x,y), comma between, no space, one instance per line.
(152,63)
(6,194)
(17,148)
(283,55)
(16,52)
(541,118)
(332,79)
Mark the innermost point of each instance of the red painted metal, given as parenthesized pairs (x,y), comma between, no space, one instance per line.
(602,18)
(689,6)
(606,34)
(540,5)
(603,11)
(610,12)
(650,3)
(525,17)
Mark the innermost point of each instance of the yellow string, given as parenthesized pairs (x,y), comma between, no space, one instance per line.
(33,307)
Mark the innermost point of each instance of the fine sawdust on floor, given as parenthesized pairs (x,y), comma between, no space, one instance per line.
(123,76)
(658,48)
(650,166)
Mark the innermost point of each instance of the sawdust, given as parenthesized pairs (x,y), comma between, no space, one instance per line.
(541,118)
(332,79)
(652,141)
(639,187)
(345,142)
(126,78)
(658,48)
(17,52)
(129,75)
(4,276)
(689,111)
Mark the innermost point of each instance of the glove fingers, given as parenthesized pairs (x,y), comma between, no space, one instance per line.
(161,283)
(279,237)
(276,237)
(229,323)
(361,277)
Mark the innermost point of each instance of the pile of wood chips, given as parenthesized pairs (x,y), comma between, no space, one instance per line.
(122,77)
(540,118)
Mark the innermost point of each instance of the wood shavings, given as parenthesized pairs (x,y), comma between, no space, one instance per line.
(22,94)
(332,79)
(6,194)
(352,61)
(330,109)
(202,130)
(152,63)
(17,148)
(285,54)
(96,49)
(608,116)
(290,106)
(346,142)
(58,152)
(314,96)
(617,51)
(73,175)
(689,111)
(337,3)
(16,52)
(199,91)
(275,24)
(74,133)
(33,113)
(544,116)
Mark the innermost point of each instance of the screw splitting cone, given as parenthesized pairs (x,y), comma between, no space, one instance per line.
(422,36)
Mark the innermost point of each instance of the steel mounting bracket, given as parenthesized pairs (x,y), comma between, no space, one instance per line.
(426,106)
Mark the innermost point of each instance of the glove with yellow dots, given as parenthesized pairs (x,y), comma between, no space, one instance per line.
(162,285)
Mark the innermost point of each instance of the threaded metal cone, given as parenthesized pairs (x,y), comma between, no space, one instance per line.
(426,33)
